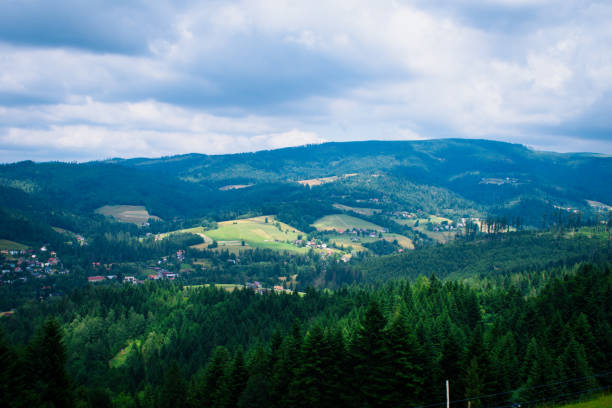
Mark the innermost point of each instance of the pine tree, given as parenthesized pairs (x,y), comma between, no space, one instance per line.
(235,381)
(257,392)
(205,388)
(405,376)
(451,361)
(474,384)
(174,390)
(477,350)
(285,366)
(370,359)
(46,366)
(307,389)
(9,387)
(505,364)
(575,365)
(542,369)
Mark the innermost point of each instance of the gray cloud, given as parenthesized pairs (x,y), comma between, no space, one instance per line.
(101,26)
(94,80)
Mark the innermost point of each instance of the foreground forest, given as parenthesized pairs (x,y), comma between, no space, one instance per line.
(365,346)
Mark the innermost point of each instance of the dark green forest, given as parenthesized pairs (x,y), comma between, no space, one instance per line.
(386,345)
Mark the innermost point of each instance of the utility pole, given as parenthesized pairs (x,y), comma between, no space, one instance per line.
(447,396)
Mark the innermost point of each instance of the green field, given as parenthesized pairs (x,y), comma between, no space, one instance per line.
(604,401)
(403,241)
(256,233)
(423,227)
(6,244)
(122,356)
(195,230)
(345,240)
(135,214)
(343,222)
(357,210)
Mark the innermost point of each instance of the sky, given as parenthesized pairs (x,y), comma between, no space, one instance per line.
(89,80)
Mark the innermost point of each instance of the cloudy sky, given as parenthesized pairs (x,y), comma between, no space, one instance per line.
(94,79)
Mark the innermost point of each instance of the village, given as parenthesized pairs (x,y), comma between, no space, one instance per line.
(21,265)
(155,272)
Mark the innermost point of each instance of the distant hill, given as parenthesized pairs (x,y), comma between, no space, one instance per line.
(450,176)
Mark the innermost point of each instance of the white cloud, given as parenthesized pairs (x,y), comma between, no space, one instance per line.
(93,130)
(349,70)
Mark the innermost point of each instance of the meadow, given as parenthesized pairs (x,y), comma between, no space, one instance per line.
(256,232)
(341,222)
(136,214)
(603,401)
(7,244)
(357,210)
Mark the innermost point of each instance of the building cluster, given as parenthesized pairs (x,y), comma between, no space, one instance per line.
(21,265)
(156,274)
(258,288)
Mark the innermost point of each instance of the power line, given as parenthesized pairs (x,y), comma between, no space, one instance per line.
(604,374)
(557,398)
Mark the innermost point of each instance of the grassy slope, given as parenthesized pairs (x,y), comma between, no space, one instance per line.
(6,244)
(358,210)
(343,222)
(258,234)
(603,401)
(136,214)
(255,232)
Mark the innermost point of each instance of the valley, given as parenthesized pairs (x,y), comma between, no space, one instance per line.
(391,265)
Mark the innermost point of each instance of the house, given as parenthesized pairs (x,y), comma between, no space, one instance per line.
(95,279)
(129,279)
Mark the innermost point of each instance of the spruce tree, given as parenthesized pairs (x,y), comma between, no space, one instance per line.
(307,389)
(371,360)
(285,366)
(257,392)
(234,382)
(174,390)
(206,385)
(451,360)
(474,383)
(9,388)
(46,367)
(405,376)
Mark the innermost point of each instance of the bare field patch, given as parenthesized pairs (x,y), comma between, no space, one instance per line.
(357,210)
(324,180)
(235,187)
(135,214)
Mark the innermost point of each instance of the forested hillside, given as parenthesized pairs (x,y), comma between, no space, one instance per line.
(463,177)
(390,345)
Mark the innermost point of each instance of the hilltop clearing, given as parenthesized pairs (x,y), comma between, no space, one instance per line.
(343,222)
(256,232)
(136,214)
